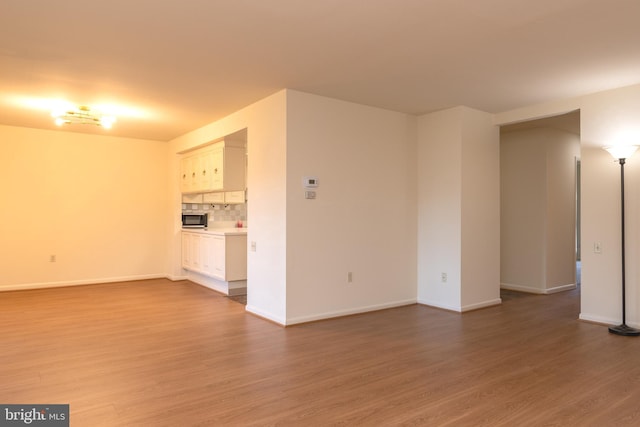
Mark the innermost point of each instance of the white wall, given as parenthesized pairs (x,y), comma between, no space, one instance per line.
(480,226)
(129,180)
(265,122)
(458,209)
(98,203)
(440,208)
(538,209)
(608,118)
(601,272)
(363,219)
(523,202)
(604,118)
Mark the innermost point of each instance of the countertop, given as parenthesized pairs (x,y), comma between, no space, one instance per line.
(218,231)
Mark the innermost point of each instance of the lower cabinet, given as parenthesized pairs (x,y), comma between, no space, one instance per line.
(222,257)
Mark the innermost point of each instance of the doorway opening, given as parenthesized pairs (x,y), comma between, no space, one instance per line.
(540,204)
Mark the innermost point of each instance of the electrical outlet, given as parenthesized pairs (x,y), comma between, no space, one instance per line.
(443,277)
(253,246)
(597,247)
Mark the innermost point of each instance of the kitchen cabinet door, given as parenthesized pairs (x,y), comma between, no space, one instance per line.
(195,252)
(197,166)
(206,254)
(234,197)
(206,172)
(216,159)
(213,198)
(191,251)
(218,257)
(192,198)
(186,170)
(186,250)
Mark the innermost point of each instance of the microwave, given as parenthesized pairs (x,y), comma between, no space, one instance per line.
(195,220)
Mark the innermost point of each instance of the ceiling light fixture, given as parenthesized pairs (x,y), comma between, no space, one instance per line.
(84,116)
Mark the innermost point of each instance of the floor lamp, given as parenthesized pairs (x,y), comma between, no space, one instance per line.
(621,153)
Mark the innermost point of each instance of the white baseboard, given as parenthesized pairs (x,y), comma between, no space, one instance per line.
(176,278)
(538,291)
(461,309)
(561,288)
(275,319)
(42,285)
(598,319)
(438,304)
(483,304)
(608,321)
(521,288)
(347,312)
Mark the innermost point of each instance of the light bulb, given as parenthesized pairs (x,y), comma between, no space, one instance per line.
(107,121)
(621,151)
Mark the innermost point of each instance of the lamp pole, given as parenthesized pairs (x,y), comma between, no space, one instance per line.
(621,154)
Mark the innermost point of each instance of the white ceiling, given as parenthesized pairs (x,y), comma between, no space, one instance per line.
(177,65)
(569,122)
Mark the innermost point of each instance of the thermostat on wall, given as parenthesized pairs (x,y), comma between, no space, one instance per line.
(310,182)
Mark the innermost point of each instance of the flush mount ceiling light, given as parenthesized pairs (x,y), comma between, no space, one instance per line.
(84,116)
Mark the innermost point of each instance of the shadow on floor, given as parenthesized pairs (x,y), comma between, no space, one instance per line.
(242,299)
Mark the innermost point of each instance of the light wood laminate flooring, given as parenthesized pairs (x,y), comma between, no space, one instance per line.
(158,353)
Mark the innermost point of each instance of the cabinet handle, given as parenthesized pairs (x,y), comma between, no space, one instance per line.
(204,172)
(215,170)
(193,175)
(184,175)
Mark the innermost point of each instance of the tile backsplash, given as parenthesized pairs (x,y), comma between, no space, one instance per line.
(236,212)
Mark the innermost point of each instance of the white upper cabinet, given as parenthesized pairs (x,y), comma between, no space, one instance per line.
(234,197)
(187,173)
(213,198)
(218,198)
(217,167)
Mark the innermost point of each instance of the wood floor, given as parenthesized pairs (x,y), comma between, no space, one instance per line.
(157,353)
